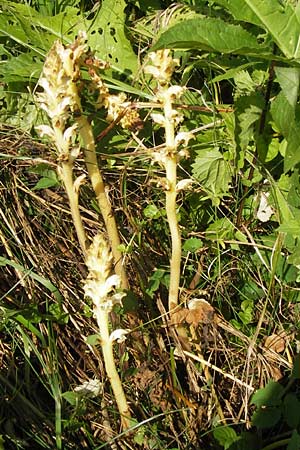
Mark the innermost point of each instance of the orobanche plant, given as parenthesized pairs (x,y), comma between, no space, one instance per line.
(71,133)
(61,100)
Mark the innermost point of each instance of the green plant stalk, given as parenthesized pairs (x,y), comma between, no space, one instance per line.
(66,174)
(171,195)
(87,136)
(110,367)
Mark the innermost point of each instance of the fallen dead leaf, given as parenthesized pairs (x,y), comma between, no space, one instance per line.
(275,342)
(200,311)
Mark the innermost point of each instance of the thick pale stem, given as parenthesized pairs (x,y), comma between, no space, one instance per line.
(171,175)
(66,173)
(113,376)
(87,136)
(171,167)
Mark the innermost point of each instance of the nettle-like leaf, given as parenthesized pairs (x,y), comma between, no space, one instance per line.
(37,33)
(288,124)
(281,21)
(107,36)
(288,78)
(211,35)
(213,173)
(248,111)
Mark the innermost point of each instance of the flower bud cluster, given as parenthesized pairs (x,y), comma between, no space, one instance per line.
(100,285)
(161,67)
(60,97)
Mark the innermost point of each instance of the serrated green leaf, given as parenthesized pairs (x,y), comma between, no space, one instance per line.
(152,212)
(211,35)
(225,436)
(213,172)
(106,35)
(248,111)
(269,395)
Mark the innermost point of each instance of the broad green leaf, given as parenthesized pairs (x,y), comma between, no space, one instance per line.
(211,35)
(291,226)
(269,395)
(288,78)
(248,111)
(45,183)
(291,410)
(294,443)
(192,245)
(240,11)
(212,172)
(280,21)
(93,339)
(225,436)
(266,418)
(284,117)
(296,368)
(107,37)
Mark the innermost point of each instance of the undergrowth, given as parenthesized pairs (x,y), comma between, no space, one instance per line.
(213,362)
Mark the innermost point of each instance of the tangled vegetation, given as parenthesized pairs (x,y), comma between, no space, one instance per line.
(150,223)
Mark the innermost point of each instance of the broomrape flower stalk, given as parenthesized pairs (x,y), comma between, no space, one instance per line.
(101,287)
(60,99)
(161,68)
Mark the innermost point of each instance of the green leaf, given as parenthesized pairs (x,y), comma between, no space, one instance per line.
(281,21)
(292,227)
(285,120)
(152,212)
(45,183)
(296,368)
(294,443)
(269,395)
(266,418)
(248,111)
(71,397)
(192,245)
(93,339)
(288,78)
(291,410)
(211,35)
(106,35)
(213,172)
(225,436)
(240,11)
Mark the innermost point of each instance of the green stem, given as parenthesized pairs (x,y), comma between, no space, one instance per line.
(90,156)
(110,367)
